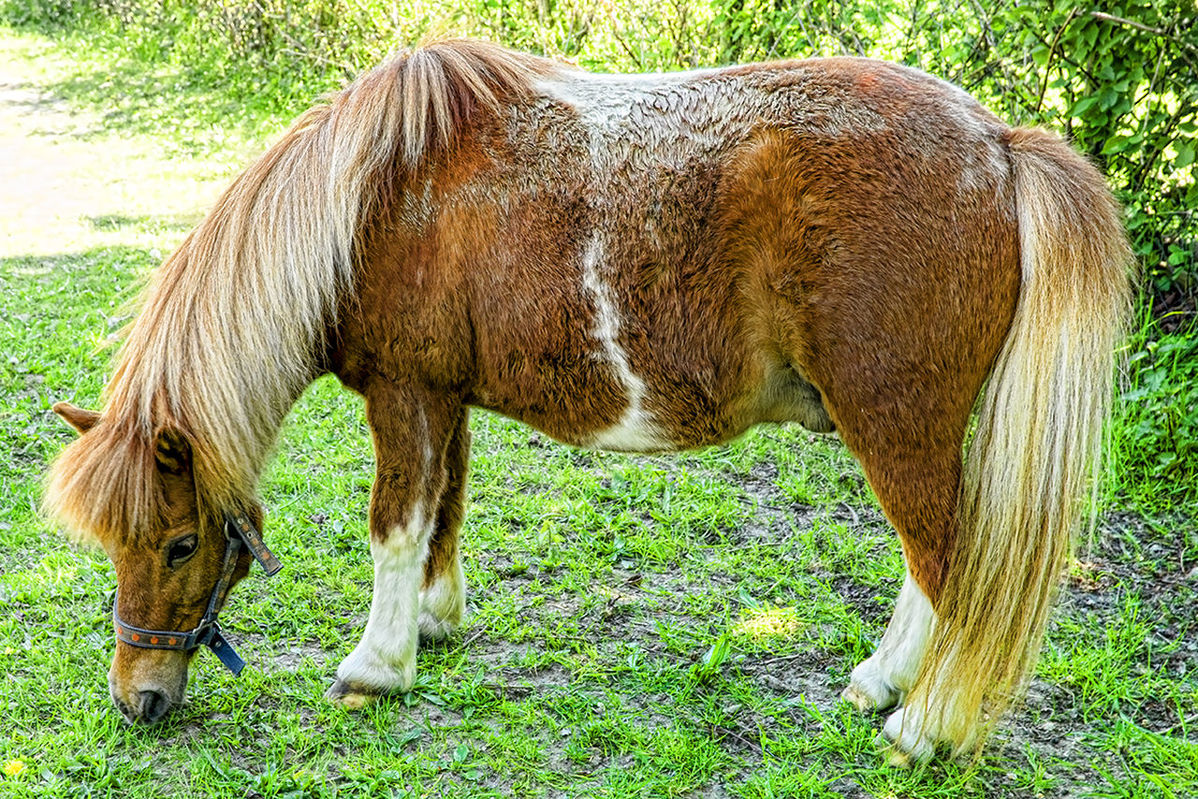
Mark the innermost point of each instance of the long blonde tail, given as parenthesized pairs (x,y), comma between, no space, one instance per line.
(1037,446)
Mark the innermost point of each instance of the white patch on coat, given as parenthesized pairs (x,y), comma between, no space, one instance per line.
(636,431)
(667,115)
(416,206)
(605,101)
(883,680)
(606,106)
(659,118)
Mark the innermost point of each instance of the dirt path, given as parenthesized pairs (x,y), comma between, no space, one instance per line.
(69,182)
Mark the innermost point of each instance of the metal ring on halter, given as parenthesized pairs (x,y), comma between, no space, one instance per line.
(207,632)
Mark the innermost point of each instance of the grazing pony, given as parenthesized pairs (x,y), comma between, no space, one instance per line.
(638,263)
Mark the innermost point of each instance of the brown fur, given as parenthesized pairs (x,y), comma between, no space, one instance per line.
(621,262)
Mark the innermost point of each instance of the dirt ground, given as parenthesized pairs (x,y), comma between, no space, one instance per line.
(70,182)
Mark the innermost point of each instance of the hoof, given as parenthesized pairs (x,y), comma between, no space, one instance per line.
(904,742)
(859,699)
(868,699)
(895,757)
(433,630)
(351,697)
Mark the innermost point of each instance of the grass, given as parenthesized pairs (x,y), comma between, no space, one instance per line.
(638,626)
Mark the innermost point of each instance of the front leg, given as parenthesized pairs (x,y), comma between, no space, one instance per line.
(412,431)
(443,595)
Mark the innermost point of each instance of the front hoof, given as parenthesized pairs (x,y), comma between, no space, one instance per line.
(351,697)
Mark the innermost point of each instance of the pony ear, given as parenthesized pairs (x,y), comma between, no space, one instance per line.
(172,452)
(78,418)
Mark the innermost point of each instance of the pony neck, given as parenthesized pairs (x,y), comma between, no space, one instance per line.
(234,325)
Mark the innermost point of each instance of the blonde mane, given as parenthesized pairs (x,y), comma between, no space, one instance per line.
(233,325)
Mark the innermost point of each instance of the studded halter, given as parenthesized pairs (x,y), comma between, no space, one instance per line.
(239,532)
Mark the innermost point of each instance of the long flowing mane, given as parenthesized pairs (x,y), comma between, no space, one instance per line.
(233,324)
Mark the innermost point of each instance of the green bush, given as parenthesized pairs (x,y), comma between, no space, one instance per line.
(1155,441)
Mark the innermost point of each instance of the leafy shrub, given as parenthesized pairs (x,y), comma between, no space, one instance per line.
(1155,442)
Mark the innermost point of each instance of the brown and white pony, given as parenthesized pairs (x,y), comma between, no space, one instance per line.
(638,263)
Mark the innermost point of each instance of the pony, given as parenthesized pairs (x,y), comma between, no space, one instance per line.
(641,263)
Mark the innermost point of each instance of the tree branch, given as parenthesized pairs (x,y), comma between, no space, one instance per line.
(1164,34)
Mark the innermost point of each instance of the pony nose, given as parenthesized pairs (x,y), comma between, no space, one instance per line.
(152,706)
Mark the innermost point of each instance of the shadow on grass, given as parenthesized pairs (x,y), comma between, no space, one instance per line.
(144,223)
(183,102)
(164,101)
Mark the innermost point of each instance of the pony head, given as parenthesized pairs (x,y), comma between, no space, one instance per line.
(135,495)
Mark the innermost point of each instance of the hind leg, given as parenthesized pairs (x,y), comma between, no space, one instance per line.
(907,432)
(883,680)
(443,592)
(918,488)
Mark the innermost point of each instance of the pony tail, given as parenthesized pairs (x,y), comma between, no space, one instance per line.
(1038,443)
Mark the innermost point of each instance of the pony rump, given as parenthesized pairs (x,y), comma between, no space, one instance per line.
(233,326)
(1039,440)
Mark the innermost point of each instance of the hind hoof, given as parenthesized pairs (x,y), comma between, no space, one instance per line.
(903,741)
(895,757)
(868,691)
(864,701)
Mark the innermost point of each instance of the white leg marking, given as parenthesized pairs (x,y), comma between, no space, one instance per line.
(636,431)
(443,603)
(385,658)
(911,733)
(883,680)
(907,737)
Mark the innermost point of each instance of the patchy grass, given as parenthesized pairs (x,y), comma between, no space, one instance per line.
(638,626)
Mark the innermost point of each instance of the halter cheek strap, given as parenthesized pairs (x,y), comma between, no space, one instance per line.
(239,531)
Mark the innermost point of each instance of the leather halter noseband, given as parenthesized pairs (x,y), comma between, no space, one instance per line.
(239,531)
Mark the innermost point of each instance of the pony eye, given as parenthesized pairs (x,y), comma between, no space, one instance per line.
(180,550)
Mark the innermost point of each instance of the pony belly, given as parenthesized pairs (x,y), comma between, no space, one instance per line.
(674,420)
(637,431)
(594,415)
(628,412)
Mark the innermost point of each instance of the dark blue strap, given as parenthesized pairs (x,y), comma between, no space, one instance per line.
(225,652)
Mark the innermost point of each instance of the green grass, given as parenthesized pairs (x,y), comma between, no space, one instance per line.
(637,626)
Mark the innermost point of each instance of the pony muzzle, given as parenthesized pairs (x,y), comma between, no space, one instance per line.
(146,684)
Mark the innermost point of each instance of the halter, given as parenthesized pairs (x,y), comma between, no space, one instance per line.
(207,632)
